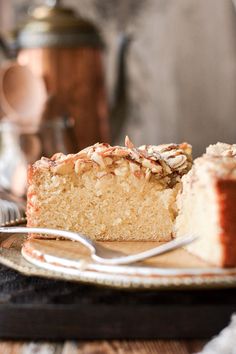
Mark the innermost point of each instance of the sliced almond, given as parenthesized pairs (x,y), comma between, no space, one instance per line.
(82,165)
(98,159)
(177,161)
(156,169)
(128,143)
(148,174)
(134,167)
(147,163)
(108,161)
(66,167)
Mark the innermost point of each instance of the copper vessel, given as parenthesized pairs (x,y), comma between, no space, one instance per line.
(67,52)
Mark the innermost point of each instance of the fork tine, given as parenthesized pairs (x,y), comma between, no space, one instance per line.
(11,213)
(16,211)
(2,217)
(5,212)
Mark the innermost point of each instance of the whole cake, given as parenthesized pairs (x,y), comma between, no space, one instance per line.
(109,193)
(207,205)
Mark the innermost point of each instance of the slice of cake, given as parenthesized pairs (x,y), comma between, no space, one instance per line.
(207,205)
(109,193)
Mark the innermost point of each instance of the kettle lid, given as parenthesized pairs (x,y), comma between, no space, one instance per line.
(54,25)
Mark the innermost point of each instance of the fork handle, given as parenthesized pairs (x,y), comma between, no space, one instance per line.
(156,251)
(63,233)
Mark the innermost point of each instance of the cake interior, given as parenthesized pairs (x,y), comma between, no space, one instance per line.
(106,208)
(109,193)
(199,215)
(207,206)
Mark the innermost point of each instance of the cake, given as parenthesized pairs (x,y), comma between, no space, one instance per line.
(207,205)
(109,193)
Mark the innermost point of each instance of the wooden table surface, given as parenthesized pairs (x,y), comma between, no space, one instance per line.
(103,347)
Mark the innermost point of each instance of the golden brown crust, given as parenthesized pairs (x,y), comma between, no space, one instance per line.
(226,195)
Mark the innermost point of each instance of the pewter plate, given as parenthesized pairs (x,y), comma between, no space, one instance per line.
(68,260)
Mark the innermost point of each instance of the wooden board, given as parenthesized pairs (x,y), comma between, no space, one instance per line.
(38,308)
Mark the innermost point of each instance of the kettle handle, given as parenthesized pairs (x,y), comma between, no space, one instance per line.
(118,111)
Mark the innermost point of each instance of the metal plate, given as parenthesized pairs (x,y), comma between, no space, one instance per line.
(68,260)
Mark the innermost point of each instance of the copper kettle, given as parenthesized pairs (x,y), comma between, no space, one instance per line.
(67,52)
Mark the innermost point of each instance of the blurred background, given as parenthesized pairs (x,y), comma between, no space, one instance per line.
(158,70)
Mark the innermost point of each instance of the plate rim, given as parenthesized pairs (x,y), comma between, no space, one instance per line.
(130,281)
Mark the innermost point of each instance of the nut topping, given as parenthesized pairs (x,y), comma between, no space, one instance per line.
(177,161)
(148,174)
(146,161)
(128,143)
(98,159)
(134,167)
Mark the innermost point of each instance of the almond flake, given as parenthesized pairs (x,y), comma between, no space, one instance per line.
(148,174)
(134,167)
(98,159)
(128,143)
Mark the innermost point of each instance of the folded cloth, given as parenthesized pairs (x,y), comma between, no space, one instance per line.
(225,342)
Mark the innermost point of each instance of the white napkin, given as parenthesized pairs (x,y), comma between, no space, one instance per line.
(225,342)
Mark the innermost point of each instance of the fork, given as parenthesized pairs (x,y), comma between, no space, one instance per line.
(11,213)
(101,254)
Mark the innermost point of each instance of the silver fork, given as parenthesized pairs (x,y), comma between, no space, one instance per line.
(11,213)
(101,254)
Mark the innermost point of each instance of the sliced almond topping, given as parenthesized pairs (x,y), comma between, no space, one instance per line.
(177,161)
(135,155)
(82,164)
(108,161)
(161,160)
(166,168)
(121,152)
(128,143)
(98,159)
(134,167)
(64,168)
(148,174)
(147,163)
(157,169)
(77,165)
(82,155)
